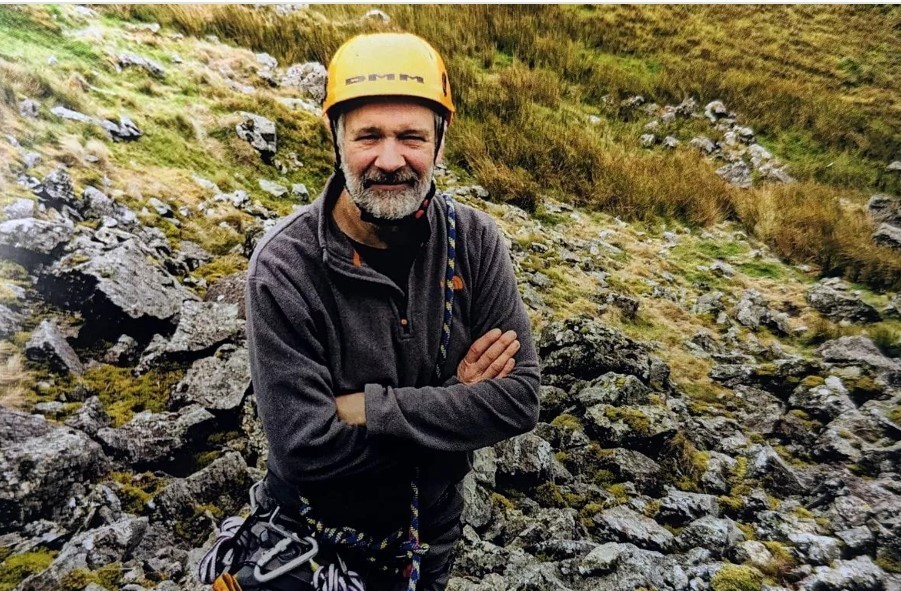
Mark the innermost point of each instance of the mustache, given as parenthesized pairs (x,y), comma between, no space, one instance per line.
(399,177)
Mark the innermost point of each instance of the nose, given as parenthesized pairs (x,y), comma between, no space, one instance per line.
(389,156)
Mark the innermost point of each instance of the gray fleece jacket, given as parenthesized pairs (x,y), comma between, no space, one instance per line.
(321,323)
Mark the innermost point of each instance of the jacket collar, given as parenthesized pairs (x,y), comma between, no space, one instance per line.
(337,249)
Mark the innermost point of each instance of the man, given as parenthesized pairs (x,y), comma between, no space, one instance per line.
(358,389)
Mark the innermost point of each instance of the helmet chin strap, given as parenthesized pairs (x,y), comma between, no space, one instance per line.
(420,211)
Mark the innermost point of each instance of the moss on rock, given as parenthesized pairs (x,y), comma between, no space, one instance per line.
(733,577)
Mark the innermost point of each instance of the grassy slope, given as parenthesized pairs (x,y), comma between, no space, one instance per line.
(814,82)
(518,124)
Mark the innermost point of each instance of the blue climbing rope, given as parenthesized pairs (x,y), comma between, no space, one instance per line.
(408,539)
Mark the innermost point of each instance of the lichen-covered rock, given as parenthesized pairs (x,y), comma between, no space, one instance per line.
(115,287)
(625,525)
(824,401)
(816,549)
(584,348)
(308,78)
(765,463)
(524,459)
(218,382)
(679,508)
(888,235)
(89,551)
(719,535)
(90,418)
(859,574)
(753,311)
(229,290)
(476,503)
(856,350)
(202,326)
(615,426)
(632,466)
(259,132)
(223,483)
(885,208)
(32,242)
(832,298)
(614,389)
(47,345)
(153,437)
(39,465)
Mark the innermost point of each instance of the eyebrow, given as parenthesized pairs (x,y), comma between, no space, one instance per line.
(377,129)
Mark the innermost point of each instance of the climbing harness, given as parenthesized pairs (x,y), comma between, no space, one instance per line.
(262,552)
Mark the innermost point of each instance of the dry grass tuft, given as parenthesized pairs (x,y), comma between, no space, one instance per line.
(14,378)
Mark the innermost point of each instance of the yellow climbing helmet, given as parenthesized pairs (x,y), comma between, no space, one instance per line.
(387,64)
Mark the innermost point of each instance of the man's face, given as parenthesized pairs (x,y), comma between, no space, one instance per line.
(387,156)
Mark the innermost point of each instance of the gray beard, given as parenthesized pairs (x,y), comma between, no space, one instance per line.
(386,205)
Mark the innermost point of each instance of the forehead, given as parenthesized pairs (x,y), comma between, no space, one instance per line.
(390,114)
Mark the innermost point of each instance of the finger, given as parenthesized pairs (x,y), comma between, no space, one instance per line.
(499,361)
(511,363)
(481,345)
(498,365)
(495,351)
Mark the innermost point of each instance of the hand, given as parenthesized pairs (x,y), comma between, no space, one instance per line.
(352,408)
(491,356)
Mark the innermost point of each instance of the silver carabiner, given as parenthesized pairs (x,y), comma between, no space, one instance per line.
(287,539)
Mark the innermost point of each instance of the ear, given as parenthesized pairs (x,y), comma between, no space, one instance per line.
(439,158)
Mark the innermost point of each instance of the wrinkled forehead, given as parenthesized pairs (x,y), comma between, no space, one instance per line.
(389,113)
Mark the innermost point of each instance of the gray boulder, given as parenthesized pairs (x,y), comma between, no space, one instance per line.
(888,235)
(584,348)
(308,78)
(31,242)
(10,322)
(259,132)
(39,465)
(223,483)
(614,389)
(57,190)
(885,208)
(229,290)
(679,508)
(48,345)
(115,287)
(825,401)
(753,311)
(90,418)
(631,466)
(615,426)
(19,208)
(625,525)
(526,459)
(89,551)
(764,463)
(856,350)
(476,503)
(816,549)
(202,326)
(154,437)
(718,535)
(859,574)
(131,60)
(218,382)
(832,298)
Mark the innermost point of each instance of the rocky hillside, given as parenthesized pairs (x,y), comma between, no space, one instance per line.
(713,418)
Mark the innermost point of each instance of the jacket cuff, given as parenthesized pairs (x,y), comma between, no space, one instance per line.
(451,381)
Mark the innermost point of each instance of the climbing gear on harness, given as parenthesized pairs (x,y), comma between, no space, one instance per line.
(259,552)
